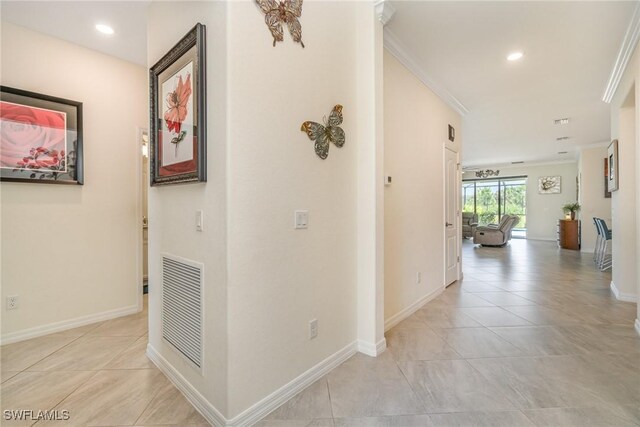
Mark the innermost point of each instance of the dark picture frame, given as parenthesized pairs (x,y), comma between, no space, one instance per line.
(452,133)
(613,177)
(607,193)
(41,138)
(178,128)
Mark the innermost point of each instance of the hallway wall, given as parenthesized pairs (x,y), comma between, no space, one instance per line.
(592,187)
(416,134)
(71,252)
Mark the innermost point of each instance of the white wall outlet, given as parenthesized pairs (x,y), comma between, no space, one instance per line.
(301,219)
(12,302)
(313,328)
(199,220)
(418,277)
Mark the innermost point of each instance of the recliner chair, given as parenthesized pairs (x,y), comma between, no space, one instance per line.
(469,224)
(496,235)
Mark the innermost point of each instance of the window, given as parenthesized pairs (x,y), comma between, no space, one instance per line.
(492,198)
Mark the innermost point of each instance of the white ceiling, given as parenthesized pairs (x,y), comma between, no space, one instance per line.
(570,49)
(75,21)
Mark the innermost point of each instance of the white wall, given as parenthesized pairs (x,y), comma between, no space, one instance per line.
(543,210)
(624,203)
(71,252)
(592,187)
(416,134)
(172,208)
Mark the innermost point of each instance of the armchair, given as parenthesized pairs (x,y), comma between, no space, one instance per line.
(469,224)
(496,235)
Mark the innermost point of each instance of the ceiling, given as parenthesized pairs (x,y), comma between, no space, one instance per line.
(460,47)
(569,51)
(74,21)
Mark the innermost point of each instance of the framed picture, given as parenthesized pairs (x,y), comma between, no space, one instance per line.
(607,193)
(40,138)
(549,184)
(452,133)
(612,158)
(178,112)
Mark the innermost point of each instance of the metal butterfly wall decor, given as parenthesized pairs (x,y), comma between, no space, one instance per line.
(330,132)
(277,13)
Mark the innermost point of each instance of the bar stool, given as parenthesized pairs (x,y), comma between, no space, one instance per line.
(604,262)
(598,242)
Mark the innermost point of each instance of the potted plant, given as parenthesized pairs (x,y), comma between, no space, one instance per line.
(571,208)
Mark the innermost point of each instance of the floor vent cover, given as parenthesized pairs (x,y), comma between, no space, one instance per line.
(182,306)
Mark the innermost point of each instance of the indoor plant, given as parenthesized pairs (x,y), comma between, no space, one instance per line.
(571,208)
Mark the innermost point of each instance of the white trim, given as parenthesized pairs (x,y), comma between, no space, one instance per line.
(64,325)
(501,166)
(587,250)
(384,11)
(542,239)
(622,296)
(637,326)
(624,56)
(408,311)
(371,349)
(262,408)
(206,409)
(401,53)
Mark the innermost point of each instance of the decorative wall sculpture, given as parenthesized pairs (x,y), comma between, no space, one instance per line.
(487,173)
(284,12)
(40,139)
(330,132)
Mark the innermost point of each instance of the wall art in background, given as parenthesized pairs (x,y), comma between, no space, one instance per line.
(330,132)
(178,112)
(607,193)
(613,175)
(40,138)
(549,184)
(277,13)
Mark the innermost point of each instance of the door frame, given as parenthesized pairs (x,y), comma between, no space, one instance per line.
(458,216)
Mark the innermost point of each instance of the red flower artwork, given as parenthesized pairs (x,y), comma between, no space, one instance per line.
(177,104)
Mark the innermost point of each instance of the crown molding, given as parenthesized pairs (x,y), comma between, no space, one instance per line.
(624,55)
(401,53)
(518,166)
(384,11)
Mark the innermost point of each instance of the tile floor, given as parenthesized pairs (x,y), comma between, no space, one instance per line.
(531,336)
(99,373)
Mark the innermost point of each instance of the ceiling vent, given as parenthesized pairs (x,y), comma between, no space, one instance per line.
(561,121)
(562,152)
(517,163)
(562,138)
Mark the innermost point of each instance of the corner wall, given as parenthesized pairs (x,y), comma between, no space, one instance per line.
(416,135)
(73,253)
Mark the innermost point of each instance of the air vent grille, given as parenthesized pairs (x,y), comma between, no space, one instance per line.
(182,306)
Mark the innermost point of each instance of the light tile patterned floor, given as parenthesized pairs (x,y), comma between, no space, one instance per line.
(532,336)
(99,373)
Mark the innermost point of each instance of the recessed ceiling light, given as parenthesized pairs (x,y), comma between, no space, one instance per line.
(561,121)
(562,138)
(514,56)
(104,29)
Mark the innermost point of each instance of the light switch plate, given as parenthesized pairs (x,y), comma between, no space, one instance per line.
(199,220)
(301,219)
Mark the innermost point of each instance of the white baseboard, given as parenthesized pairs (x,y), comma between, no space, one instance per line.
(587,250)
(262,408)
(64,325)
(544,239)
(400,316)
(622,296)
(371,349)
(206,409)
(637,326)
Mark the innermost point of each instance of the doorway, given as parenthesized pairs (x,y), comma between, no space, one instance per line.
(452,226)
(144,191)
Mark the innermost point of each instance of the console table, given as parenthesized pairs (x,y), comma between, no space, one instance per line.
(569,234)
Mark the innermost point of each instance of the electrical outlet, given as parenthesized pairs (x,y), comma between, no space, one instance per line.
(313,328)
(12,302)
(418,277)
(301,219)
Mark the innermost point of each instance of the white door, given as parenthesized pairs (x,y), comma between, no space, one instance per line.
(451,217)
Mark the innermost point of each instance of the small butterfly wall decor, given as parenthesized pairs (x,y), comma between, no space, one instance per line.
(330,132)
(277,13)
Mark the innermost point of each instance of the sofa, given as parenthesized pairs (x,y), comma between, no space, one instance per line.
(496,234)
(469,224)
